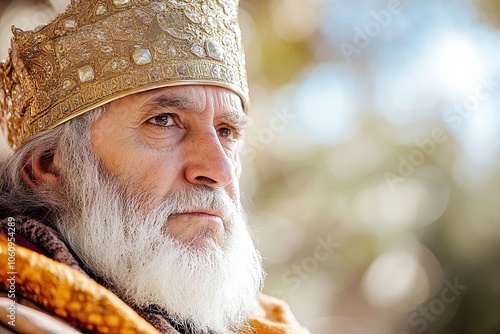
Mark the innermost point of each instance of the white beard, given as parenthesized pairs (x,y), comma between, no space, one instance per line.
(213,288)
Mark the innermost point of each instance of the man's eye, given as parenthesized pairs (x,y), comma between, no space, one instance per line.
(226,133)
(163,120)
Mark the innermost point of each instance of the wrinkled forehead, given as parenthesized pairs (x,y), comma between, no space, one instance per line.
(196,99)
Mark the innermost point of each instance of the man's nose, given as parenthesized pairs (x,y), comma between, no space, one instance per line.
(206,161)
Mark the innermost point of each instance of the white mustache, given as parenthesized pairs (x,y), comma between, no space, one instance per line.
(199,198)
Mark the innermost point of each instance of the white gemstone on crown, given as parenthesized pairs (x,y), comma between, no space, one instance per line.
(101,9)
(142,56)
(214,50)
(158,6)
(86,73)
(120,2)
(198,50)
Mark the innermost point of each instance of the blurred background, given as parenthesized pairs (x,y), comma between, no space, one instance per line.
(372,170)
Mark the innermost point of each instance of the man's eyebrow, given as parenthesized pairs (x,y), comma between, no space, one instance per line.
(177,103)
(236,117)
(230,115)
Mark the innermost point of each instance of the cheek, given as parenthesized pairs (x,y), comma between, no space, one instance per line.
(139,167)
(153,174)
(233,188)
(116,157)
(159,172)
(103,145)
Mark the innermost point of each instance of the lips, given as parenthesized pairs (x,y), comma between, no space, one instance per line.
(198,228)
(213,213)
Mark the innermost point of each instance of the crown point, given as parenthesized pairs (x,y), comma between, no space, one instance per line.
(86,73)
(141,56)
(40,27)
(16,30)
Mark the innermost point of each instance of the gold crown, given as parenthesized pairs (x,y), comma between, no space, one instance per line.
(100,50)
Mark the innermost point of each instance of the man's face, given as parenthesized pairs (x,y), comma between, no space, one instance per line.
(163,141)
(151,206)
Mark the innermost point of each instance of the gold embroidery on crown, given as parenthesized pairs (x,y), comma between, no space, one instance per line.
(101,50)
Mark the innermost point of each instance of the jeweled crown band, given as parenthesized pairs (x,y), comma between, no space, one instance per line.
(101,50)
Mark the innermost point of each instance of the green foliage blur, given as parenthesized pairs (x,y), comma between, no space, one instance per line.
(372,169)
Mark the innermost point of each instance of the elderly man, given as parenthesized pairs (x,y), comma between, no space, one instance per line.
(120,208)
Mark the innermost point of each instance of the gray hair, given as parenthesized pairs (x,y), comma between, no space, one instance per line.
(16,196)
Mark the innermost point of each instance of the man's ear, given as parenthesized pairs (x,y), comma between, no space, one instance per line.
(41,169)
